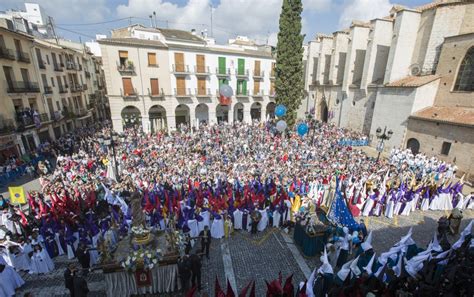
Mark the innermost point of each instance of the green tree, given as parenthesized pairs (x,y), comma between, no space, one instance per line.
(289,82)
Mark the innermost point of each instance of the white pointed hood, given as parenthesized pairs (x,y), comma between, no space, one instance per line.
(345,270)
(369,266)
(434,245)
(398,268)
(309,284)
(406,240)
(464,233)
(354,268)
(415,264)
(325,267)
(367,244)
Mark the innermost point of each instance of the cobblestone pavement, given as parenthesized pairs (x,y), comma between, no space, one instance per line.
(260,256)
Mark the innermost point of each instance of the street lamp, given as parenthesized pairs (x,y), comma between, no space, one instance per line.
(385,135)
(110,141)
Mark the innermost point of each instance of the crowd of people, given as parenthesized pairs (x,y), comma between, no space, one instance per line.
(226,177)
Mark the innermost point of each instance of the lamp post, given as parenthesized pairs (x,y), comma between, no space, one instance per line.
(382,136)
(110,141)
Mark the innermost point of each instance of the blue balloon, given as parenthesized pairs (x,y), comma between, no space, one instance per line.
(302,129)
(280,110)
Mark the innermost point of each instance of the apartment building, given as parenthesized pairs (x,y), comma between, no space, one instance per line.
(164,78)
(379,73)
(47,90)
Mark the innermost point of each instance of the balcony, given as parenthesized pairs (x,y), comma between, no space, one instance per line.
(87,74)
(258,95)
(258,74)
(242,94)
(44,117)
(182,92)
(6,53)
(223,72)
(48,90)
(181,69)
(79,67)
(22,87)
(156,96)
(202,70)
(58,68)
(7,126)
(81,112)
(133,96)
(76,87)
(41,64)
(203,93)
(70,65)
(272,74)
(84,87)
(126,69)
(242,74)
(23,57)
(57,116)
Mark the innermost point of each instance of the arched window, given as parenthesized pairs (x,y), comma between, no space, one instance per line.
(465,79)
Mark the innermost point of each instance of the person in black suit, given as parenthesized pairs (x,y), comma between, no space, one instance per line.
(80,285)
(184,271)
(82,254)
(196,270)
(69,278)
(205,240)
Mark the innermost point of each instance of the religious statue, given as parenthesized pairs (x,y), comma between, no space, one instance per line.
(138,218)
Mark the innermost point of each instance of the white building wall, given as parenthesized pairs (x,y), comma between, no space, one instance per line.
(324,51)
(403,42)
(425,96)
(339,45)
(357,41)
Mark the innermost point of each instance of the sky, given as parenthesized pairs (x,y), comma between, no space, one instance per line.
(257,19)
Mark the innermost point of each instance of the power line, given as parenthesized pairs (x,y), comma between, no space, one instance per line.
(98,23)
(75,32)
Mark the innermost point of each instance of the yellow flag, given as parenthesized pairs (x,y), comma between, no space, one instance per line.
(17,195)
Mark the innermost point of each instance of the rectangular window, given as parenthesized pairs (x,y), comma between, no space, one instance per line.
(52,81)
(123,57)
(180,86)
(152,59)
(127,86)
(44,79)
(257,68)
(273,69)
(179,62)
(445,148)
(241,87)
(201,86)
(17,45)
(47,59)
(200,64)
(222,65)
(9,76)
(155,87)
(223,81)
(25,75)
(240,66)
(256,87)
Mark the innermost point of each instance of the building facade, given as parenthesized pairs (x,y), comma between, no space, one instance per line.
(176,78)
(46,90)
(378,74)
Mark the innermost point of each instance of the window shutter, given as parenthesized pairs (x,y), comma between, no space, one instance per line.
(151,59)
(123,54)
(155,89)
(256,87)
(222,65)
(127,86)
(241,67)
(244,87)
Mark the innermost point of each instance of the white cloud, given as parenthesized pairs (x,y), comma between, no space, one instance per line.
(316,5)
(363,10)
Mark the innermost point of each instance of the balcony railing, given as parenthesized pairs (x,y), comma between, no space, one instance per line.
(44,117)
(22,87)
(87,74)
(57,115)
(76,88)
(258,74)
(84,87)
(70,65)
(7,126)
(242,74)
(62,89)
(48,90)
(128,68)
(133,96)
(181,69)
(41,64)
(23,57)
(182,92)
(156,96)
(203,92)
(58,68)
(202,70)
(242,93)
(81,112)
(223,71)
(6,53)
(258,94)
(25,121)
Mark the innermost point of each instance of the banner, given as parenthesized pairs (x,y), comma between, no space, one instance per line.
(353,142)
(17,195)
(143,278)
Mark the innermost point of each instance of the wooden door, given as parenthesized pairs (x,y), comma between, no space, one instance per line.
(201,63)
(257,68)
(201,86)
(180,86)
(155,88)
(256,87)
(127,86)
(179,62)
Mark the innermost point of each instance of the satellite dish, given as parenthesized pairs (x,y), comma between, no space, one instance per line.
(415,69)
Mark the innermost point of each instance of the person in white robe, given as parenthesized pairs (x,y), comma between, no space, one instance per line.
(20,259)
(205,220)
(237,219)
(276,217)
(93,252)
(58,244)
(193,228)
(41,262)
(217,227)
(262,224)
(10,280)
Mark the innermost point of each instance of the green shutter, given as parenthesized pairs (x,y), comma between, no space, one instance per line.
(244,87)
(223,81)
(221,65)
(241,67)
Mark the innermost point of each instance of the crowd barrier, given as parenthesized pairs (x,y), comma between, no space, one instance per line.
(353,142)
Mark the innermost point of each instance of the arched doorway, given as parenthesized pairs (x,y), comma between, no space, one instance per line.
(270,114)
(202,114)
(157,116)
(222,113)
(256,111)
(238,112)
(414,145)
(182,115)
(324,111)
(131,117)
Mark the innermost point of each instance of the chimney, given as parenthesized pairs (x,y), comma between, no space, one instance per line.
(193,31)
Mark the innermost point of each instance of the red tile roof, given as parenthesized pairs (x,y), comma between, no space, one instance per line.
(413,81)
(451,115)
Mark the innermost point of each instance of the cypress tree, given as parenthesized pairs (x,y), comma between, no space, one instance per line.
(289,82)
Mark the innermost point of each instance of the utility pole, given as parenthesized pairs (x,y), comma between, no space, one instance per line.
(50,20)
(154,16)
(212,25)
(151,21)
